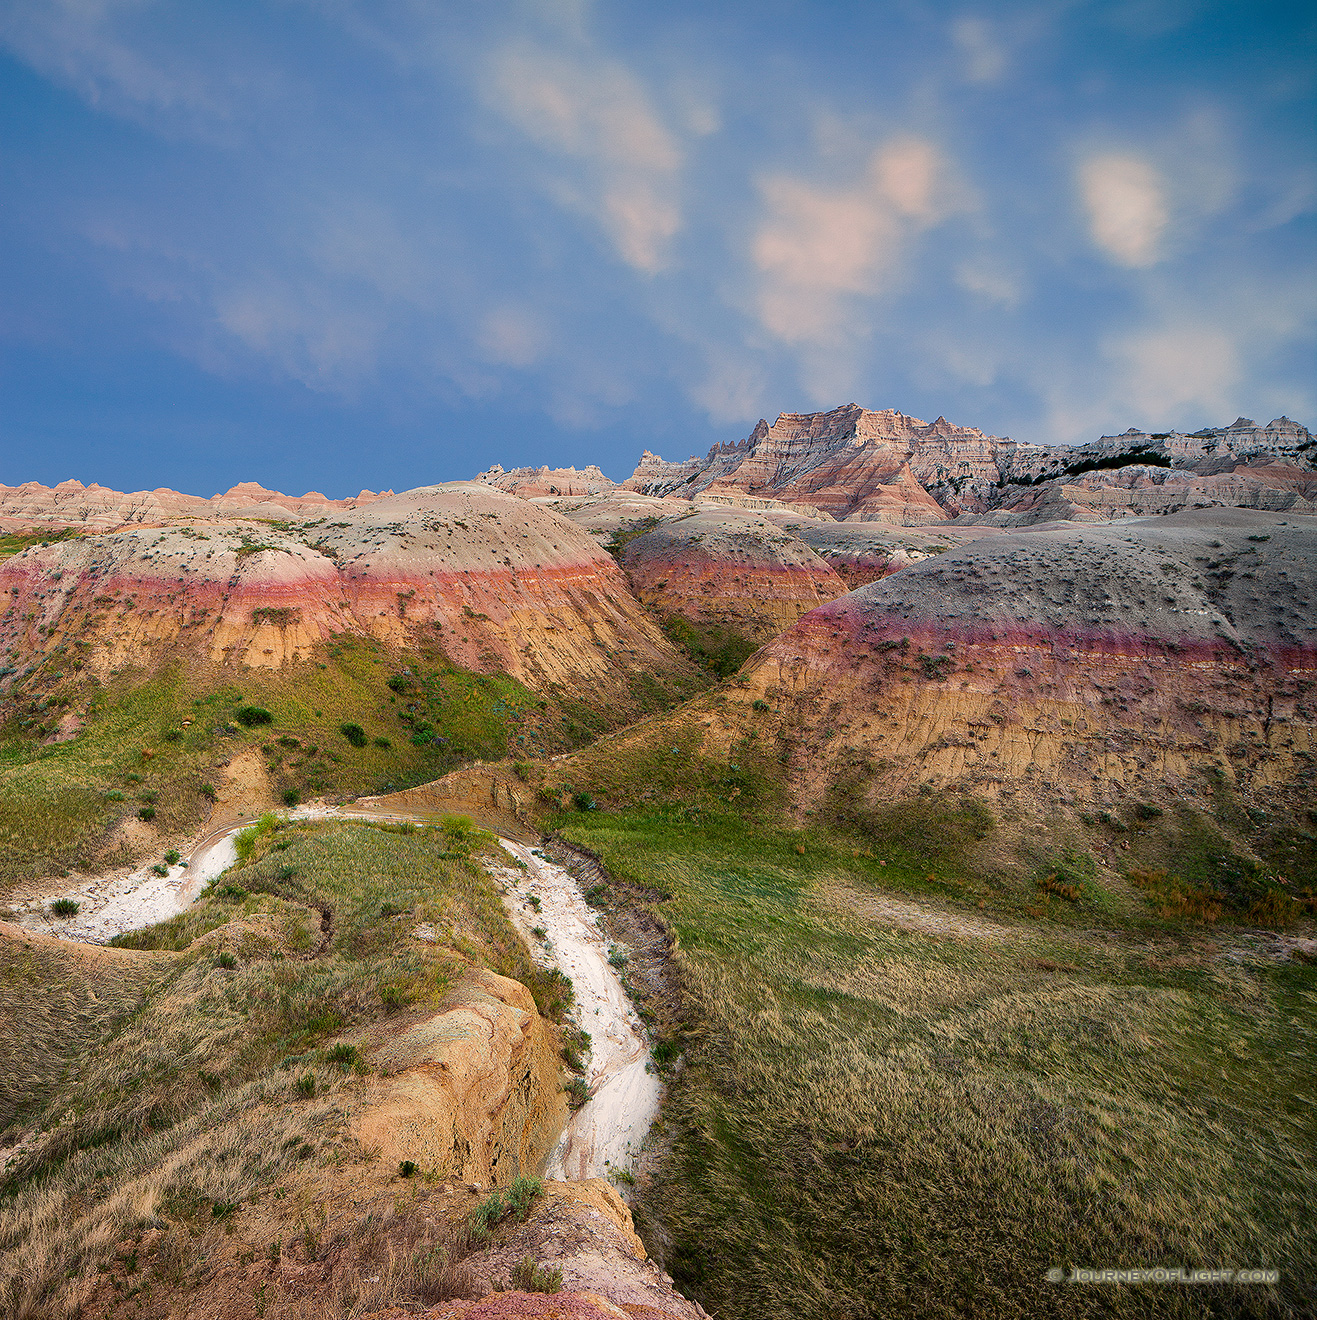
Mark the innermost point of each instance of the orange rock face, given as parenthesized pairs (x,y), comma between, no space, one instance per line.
(497,582)
(1095,662)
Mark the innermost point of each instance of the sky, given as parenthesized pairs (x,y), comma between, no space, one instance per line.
(335,244)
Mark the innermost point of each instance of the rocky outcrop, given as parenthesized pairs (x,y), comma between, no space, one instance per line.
(498,583)
(95,508)
(472,1092)
(729,570)
(1085,662)
(854,463)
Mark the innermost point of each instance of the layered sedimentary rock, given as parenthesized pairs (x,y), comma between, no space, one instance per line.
(471,1092)
(530,482)
(498,583)
(728,569)
(854,463)
(34,507)
(1084,662)
(849,462)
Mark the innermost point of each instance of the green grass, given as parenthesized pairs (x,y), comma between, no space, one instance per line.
(174,1079)
(876,1120)
(11,543)
(56,805)
(720,650)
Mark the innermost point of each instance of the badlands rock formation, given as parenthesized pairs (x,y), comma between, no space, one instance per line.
(1096,662)
(853,463)
(33,507)
(729,569)
(496,582)
(529,482)
(473,1090)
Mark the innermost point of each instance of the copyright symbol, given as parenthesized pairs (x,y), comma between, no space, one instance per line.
(1055,1274)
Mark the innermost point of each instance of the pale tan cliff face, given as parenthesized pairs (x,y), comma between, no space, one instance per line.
(472,1092)
(498,583)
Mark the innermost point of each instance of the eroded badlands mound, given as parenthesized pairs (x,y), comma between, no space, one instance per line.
(1155,656)
(495,582)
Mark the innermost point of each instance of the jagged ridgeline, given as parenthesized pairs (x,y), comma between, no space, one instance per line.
(365,648)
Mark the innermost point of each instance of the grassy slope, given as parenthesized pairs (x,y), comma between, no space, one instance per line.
(189,1107)
(54,812)
(875,1121)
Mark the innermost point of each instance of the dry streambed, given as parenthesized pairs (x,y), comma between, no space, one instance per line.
(603,1136)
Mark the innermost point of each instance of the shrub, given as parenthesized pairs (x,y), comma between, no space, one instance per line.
(291,797)
(342,1053)
(617,958)
(305,1085)
(227,961)
(208,790)
(354,733)
(584,802)
(146,813)
(64,907)
(383,742)
(172,856)
(759,704)
(250,716)
(1146,811)
(114,796)
(398,683)
(577,1092)
(406,1168)
(530,1277)
(160,868)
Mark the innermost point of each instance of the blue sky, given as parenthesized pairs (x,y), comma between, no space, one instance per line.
(328,244)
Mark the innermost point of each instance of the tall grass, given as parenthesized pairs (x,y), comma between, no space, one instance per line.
(879,1121)
(176,1099)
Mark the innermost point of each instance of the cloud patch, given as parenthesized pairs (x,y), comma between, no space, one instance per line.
(818,247)
(1125,197)
(592,110)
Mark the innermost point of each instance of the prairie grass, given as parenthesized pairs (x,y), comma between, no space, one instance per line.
(171,1086)
(877,1121)
(56,805)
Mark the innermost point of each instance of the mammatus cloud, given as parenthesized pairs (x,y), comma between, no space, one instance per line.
(1125,198)
(592,110)
(819,247)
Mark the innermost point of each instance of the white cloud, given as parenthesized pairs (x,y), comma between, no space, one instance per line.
(592,110)
(1170,371)
(732,390)
(817,247)
(990,281)
(981,47)
(1125,197)
(512,335)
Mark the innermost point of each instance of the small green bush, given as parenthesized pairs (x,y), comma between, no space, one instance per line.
(305,1085)
(227,961)
(64,907)
(172,856)
(584,802)
(250,716)
(531,1277)
(160,868)
(354,733)
(342,1053)
(291,797)
(406,1168)
(146,813)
